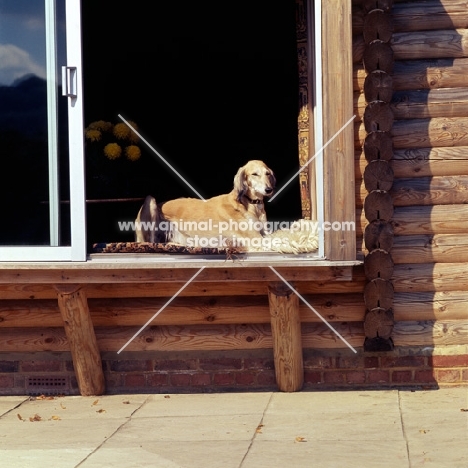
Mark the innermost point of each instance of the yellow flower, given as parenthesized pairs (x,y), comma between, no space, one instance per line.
(112,151)
(121,131)
(133,137)
(93,135)
(100,125)
(132,152)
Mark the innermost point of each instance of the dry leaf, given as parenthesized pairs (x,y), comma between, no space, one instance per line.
(101,411)
(423,431)
(62,406)
(36,417)
(464,409)
(301,439)
(259,428)
(44,397)
(20,417)
(95,402)
(167,396)
(55,418)
(126,402)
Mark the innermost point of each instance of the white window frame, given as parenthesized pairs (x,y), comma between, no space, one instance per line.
(77,250)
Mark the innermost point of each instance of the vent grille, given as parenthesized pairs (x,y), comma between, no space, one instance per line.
(47,385)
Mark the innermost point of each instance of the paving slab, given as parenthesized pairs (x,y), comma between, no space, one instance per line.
(238,430)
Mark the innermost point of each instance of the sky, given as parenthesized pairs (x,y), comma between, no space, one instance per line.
(22,39)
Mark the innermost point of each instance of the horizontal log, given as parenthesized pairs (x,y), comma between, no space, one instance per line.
(421,45)
(444,190)
(138,271)
(422,133)
(429,277)
(430,44)
(421,220)
(228,337)
(421,74)
(439,248)
(109,290)
(181,311)
(417,16)
(421,104)
(422,162)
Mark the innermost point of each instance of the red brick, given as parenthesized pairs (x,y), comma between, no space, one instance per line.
(357,362)
(180,380)
(378,376)
(464,376)
(9,366)
(245,378)
(318,362)
(266,377)
(355,377)
(41,366)
(135,380)
(403,361)
(130,365)
(157,379)
(334,377)
(312,377)
(448,375)
(7,381)
(402,376)
(449,361)
(224,379)
(424,376)
(200,380)
(251,363)
(221,364)
(175,364)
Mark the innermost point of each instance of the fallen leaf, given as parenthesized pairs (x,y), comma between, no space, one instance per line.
(36,417)
(95,402)
(44,397)
(423,431)
(301,439)
(101,411)
(259,428)
(55,418)
(464,409)
(20,417)
(167,396)
(62,406)
(126,402)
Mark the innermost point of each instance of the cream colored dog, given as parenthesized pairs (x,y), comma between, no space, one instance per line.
(239,214)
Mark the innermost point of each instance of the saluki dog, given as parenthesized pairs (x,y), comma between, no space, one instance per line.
(237,215)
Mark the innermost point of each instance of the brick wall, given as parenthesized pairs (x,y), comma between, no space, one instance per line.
(52,373)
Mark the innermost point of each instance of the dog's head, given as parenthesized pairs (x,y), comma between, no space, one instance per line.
(254,180)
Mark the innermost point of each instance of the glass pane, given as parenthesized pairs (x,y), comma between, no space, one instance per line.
(33,124)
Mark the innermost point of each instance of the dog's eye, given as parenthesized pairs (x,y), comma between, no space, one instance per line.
(255,174)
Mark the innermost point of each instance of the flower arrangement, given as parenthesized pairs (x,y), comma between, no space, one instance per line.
(103,133)
(112,154)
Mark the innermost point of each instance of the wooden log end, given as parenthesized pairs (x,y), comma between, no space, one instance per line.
(378,175)
(378,145)
(379,235)
(378,24)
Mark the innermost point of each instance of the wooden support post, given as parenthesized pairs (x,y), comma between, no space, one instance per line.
(79,329)
(287,341)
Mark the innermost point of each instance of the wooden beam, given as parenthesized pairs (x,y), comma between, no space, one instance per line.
(338,158)
(79,329)
(286,335)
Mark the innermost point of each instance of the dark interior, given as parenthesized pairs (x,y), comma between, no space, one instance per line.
(210,86)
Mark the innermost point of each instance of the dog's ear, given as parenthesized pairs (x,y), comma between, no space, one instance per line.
(240,183)
(272,178)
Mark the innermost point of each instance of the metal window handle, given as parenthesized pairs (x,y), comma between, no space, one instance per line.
(69,81)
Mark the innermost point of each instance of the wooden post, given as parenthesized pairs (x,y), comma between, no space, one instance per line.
(79,329)
(287,341)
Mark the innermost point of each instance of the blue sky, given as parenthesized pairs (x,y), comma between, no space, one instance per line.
(22,39)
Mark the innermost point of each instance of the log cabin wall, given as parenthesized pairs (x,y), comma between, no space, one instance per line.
(218,336)
(427,237)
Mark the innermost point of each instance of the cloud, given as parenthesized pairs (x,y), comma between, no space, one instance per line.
(15,63)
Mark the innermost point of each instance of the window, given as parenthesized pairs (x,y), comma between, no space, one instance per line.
(41,131)
(208,95)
